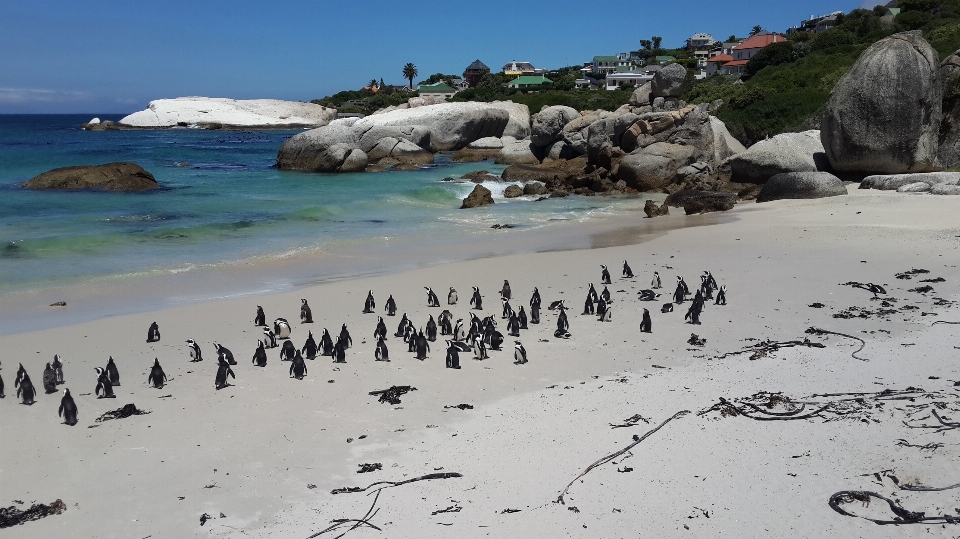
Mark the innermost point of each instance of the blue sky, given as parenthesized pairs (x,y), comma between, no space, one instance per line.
(102,56)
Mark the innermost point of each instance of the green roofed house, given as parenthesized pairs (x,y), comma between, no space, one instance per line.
(436,90)
(605,64)
(529,82)
(664,59)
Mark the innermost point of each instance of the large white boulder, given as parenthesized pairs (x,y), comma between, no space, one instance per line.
(452,125)
(786,152)
(222,112)
(518,126)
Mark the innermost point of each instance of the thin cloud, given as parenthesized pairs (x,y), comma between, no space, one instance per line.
(24,96)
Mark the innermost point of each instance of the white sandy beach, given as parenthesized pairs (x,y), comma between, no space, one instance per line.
(266,452)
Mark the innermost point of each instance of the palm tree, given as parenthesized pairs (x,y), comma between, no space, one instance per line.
(410,72)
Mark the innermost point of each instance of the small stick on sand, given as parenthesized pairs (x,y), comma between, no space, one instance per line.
(614,455)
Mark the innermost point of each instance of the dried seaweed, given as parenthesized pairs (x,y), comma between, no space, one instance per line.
(11,516)
(903,516)
(367,468)
(392,395)
(121,413)
(765,348)
(388,484)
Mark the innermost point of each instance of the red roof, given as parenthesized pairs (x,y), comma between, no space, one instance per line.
(759,41)
(736,63)
(722,58)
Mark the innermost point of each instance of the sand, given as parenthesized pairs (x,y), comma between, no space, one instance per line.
(262,456)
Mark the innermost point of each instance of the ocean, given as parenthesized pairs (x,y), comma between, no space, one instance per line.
(225,206)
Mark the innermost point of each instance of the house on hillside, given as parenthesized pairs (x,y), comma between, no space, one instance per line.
(700,41)
(473,72)
(438,90)
(605,64)
(521,69)
(743,52)
(529,81)
(715,63)
(817,24)
(664,59)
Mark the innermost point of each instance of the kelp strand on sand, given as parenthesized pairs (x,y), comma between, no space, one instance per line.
(121,413)
(11,516)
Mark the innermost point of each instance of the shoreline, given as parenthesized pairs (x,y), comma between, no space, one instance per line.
(263,441)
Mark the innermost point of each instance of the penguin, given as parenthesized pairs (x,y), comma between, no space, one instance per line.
(607,312)
(49,380)
(195,354)
(721,296)
(452,296)
(345,337)
(223,370)
(459,333)
(678,294)
(519,353)
(686,289)
(535,314)
(667,308)
(298,369)
(153,333)
(588,305)
(157,378)
(479,349)
(113,372)
(605,295)
(476,300)
(647,295)
(496,340)
(381,330)
(535,298)
(339,352)
(646,325)
(601,310)
(453,356)
(68,408)
(402,326)
(225,353)
(260,319)
(876,289)
(698,300)
(505,291)
(310,347)
(592,294)
(287,352)
(306,315)
(381,353)
(270,338)
(104,388)
(446,323)
(522,317)
(432,299)
(21,373)
(282,328)
(463,346)
(507,309)
(627,272)
(58,368)
(25,390)
(326,343)
(655,284)
(693,314)
(563,325)
(260,355)
(391,307)
(411,339)
(369,305)
(431,329)
(604,275)
(556,305)
(513,326)
(422,346)
(561,334)
(1,388)
(711,282)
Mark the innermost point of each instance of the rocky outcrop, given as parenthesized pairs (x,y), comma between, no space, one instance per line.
(324,149)
(883,116)
(655,166)
(919,187)
(641,96)
(486,143)
(368,138)
(693,201)
(518,126)
(786,152)
(451,125)
(652,210)
(480,176)
(892,182)
(213,112)
(534,188)
(512,191)
(480,196)
(950,123)
(547,125)
(671,81)
(517,153)
(791,185)
(108,177)
(945,189)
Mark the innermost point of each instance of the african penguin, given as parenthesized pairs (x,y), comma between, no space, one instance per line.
(298,369)
(476,300)
(605,295)
(58,368)
(225,353)
(153,333)
(507,309)
(104,388)
(339,352)
(655,284)
(479,349)
(287,352)
(260,319)
(282,328)
(381,353)
(223,370)
(422,346)
(459,333)
(310,347)
(195,354)
(431,329)
(535,314)
(693,314)
(260,355)
(68,408)
(722,295)
(513,326)
(381,330)
(607,315)
(505,291)
(604,275)
(326,343)
(369,305)
(522,317)
(345,337)
(157,378)
(26,391)
(453,356)
(519,353)
(446,323)
(535,298)
(627,272)
(306,315)
(270,338)
(402,326)
(588,305)
(452,296)
(49,380)
(646,325)
(391,307)
(678,294)
(667,308)
(113,372)
(432,299)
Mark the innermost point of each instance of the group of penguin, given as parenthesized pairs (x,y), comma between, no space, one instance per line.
(478,337)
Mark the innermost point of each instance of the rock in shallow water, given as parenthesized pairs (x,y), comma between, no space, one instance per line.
(109,177)
(480,196)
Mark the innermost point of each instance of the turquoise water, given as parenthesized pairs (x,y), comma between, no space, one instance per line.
(222,202)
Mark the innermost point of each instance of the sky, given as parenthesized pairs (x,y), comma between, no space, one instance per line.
(115,56)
